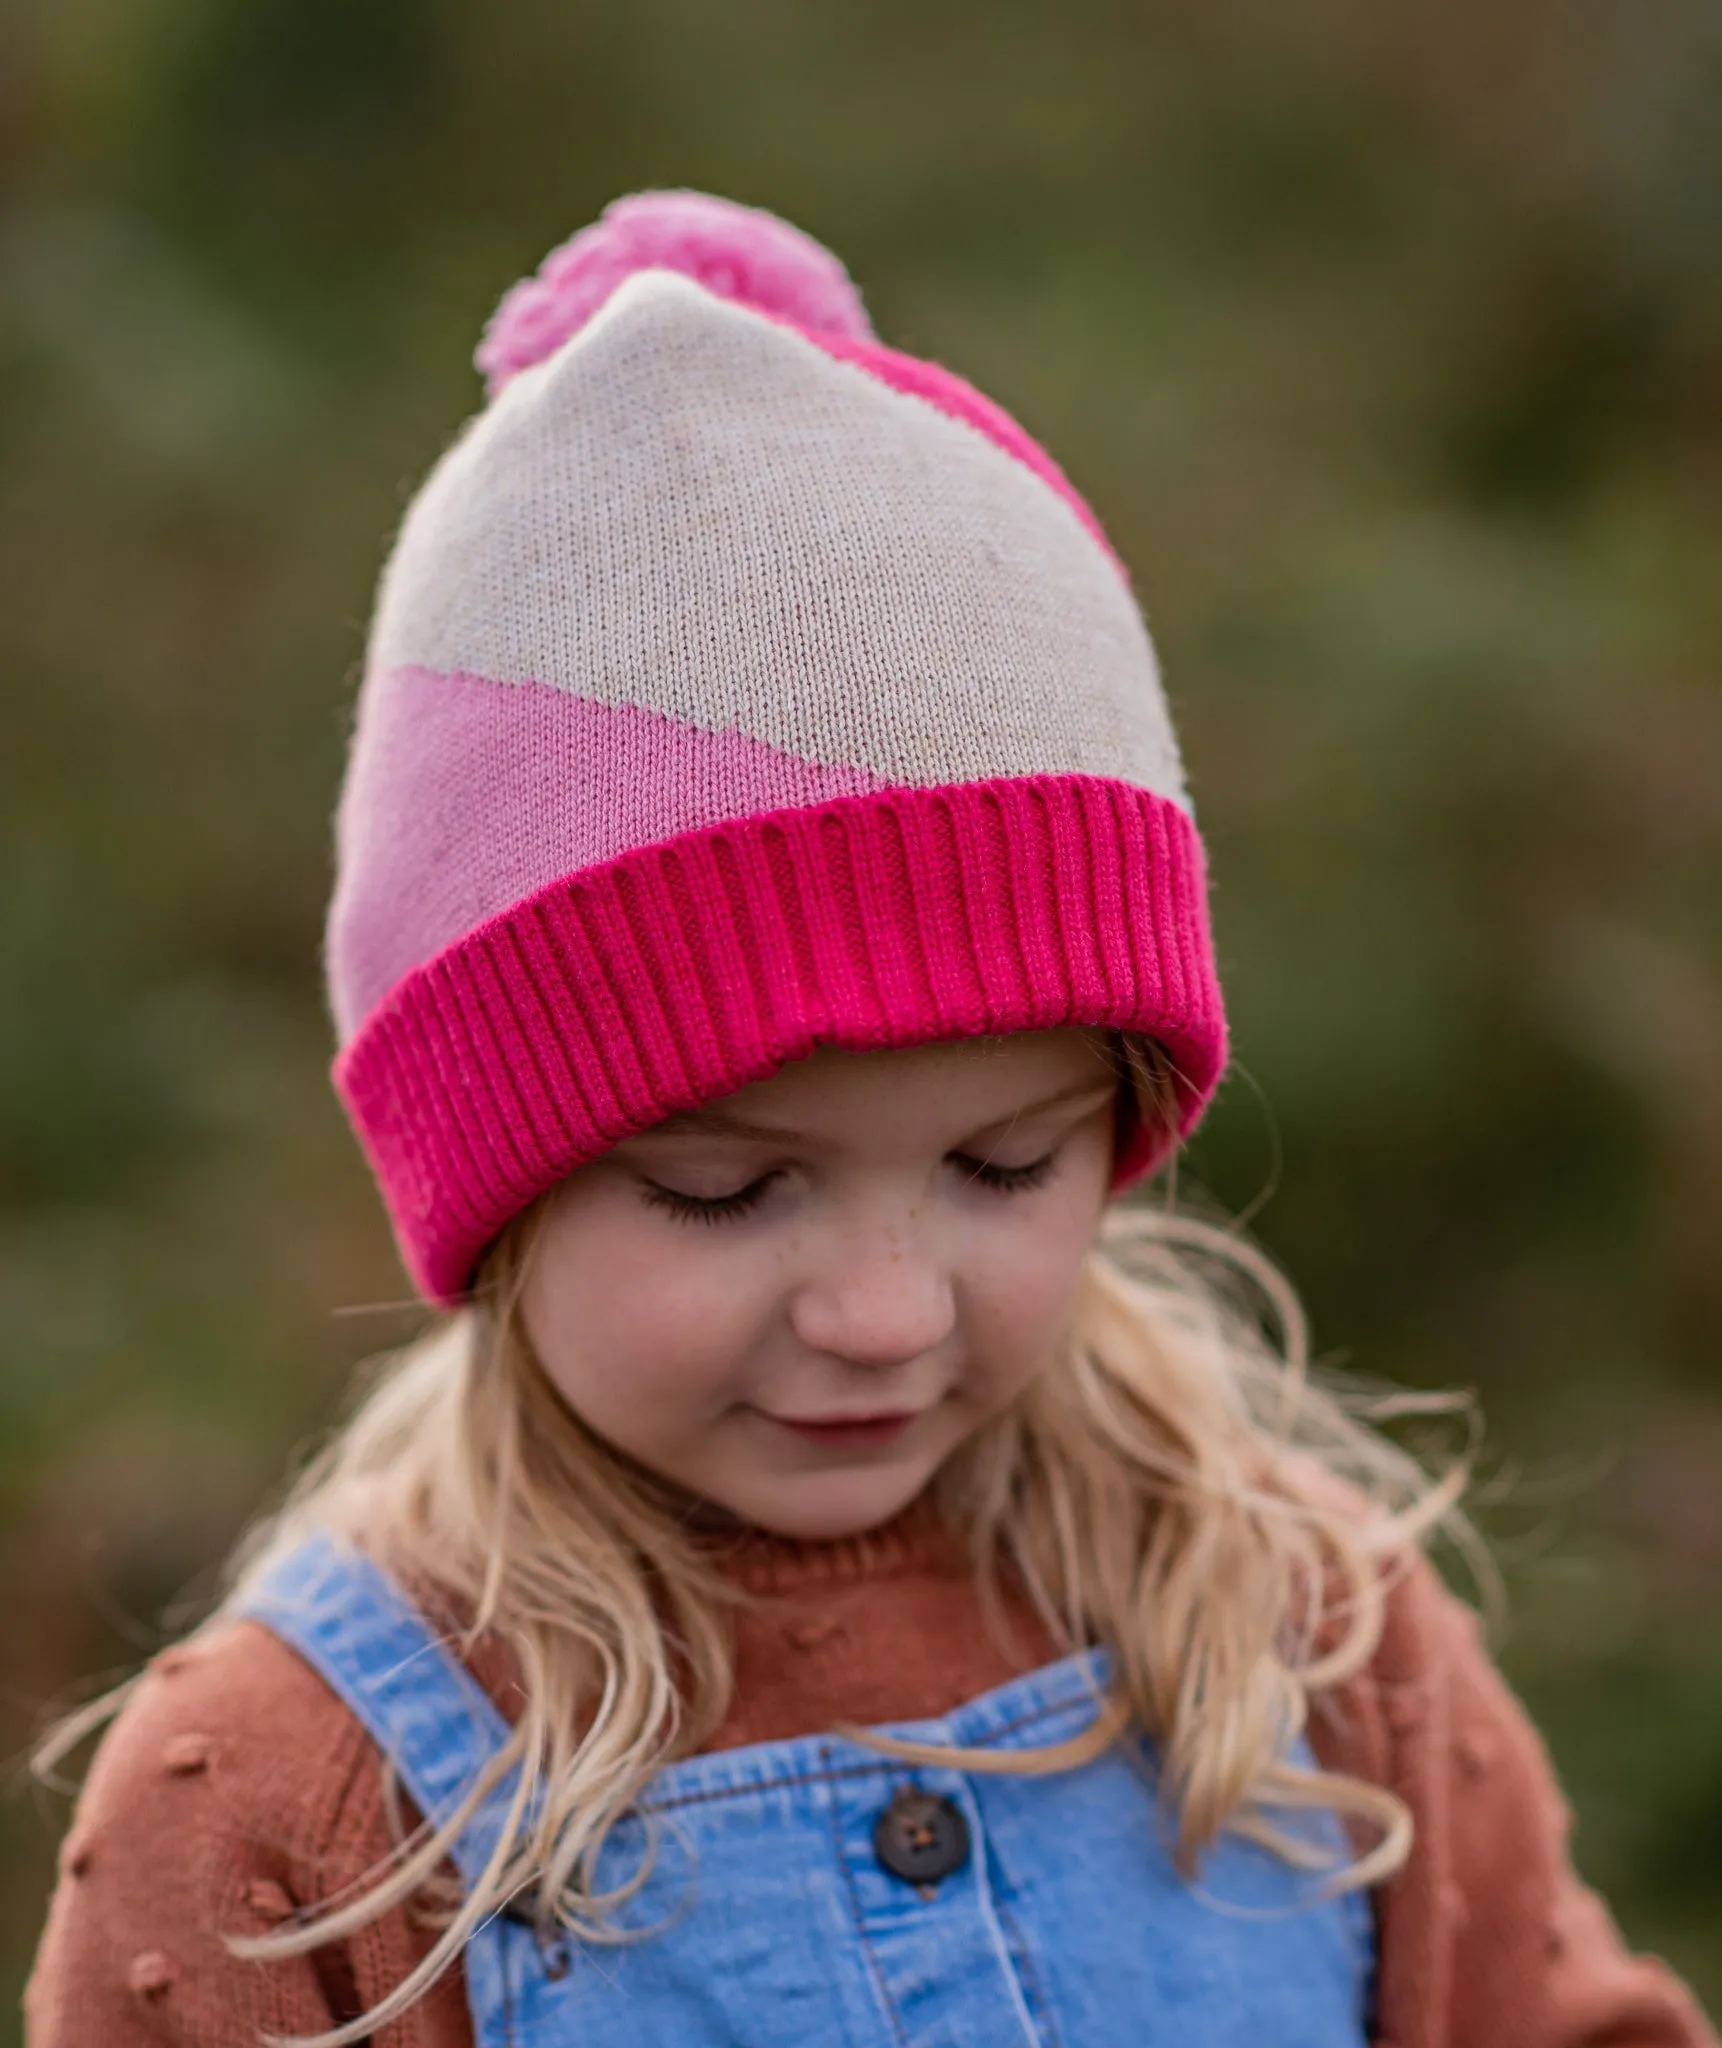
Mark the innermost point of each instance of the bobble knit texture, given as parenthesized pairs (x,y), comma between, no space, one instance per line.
(735,686)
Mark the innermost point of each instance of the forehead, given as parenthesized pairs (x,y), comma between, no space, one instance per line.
(967,1083)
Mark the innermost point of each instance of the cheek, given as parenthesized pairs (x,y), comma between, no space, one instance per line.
(1024,1285)
(634,1337)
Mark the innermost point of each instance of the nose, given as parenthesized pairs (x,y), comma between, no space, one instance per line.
(878,1299)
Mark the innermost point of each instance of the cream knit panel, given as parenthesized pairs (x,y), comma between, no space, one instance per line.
(695,510)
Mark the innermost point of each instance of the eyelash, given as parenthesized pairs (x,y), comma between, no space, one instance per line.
(1003,1180)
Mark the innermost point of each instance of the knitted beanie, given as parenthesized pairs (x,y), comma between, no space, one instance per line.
(736,686)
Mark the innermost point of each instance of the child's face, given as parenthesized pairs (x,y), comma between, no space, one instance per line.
(798,1301)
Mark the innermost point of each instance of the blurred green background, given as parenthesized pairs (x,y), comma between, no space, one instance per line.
(1388,344)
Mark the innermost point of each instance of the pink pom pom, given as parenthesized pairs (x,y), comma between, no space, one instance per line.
(738,252)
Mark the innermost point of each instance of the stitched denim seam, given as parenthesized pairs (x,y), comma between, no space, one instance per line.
(854,1898)
(1033,1996)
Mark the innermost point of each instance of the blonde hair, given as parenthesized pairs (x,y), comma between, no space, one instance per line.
(1174,1486)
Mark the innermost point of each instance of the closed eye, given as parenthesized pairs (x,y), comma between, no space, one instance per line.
(1006,1180)
(706,1208)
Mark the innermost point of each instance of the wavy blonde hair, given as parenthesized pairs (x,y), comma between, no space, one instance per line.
(1173,1486)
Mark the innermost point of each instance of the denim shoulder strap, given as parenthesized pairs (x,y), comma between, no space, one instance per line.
(432,1720)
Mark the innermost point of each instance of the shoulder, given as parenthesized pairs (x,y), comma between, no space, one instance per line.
(229,1737)
(1487,1932)
(232,1788)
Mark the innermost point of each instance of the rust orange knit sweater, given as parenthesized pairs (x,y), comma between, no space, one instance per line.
(235,1787)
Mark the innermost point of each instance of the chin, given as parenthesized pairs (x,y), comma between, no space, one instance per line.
(823,1507)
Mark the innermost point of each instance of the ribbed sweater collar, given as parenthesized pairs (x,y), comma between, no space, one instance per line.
(918,1542)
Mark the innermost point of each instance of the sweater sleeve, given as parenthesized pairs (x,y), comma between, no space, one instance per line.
(1537,1957)
(1489,1938)
(232,1790)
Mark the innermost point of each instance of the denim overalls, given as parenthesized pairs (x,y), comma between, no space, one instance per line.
(776,1921)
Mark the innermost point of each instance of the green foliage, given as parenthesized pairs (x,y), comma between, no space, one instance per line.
(1387,345)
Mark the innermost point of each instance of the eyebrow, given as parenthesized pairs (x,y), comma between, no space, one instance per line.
(721,1123)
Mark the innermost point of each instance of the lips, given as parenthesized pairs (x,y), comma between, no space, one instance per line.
(847,1432)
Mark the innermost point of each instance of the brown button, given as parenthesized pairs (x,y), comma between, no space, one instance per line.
(921,1837)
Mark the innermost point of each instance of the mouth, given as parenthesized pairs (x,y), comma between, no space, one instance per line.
(847,1432)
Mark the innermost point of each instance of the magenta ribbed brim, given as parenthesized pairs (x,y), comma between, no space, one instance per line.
(682,971)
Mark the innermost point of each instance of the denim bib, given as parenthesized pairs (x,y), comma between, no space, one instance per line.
(814,1894)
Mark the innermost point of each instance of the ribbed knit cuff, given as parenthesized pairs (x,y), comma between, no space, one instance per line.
(682,971)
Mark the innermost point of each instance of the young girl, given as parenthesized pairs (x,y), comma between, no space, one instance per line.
(832,1578)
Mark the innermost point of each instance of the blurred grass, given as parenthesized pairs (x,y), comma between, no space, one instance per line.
(1388,346)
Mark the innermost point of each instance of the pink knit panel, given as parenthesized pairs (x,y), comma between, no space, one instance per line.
(467,795)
